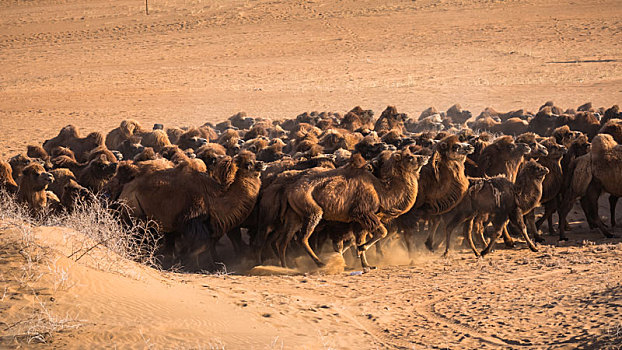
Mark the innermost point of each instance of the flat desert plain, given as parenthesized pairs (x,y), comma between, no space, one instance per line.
(93,63)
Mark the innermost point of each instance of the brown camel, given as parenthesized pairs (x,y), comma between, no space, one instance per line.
(389,120)
(591,174)
(458,115)
(533,141)
(442,183)
(512,126)
(66,187)
(93,175)
(194,205)
(352,194)
(502,157)
(18,163)
(32,185)
(551,186)
(156,139)
(192,138)
(70,138)
(6,177)
(501,201)
(130,148)
(564,136)
(127,129)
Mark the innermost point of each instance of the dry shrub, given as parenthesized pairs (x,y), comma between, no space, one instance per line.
(95,231)
(102,224)
(99,223)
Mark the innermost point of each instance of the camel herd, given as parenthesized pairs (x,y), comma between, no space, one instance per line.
(347,179)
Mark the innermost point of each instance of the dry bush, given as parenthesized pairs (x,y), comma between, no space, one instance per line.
(99,223)
(91,225)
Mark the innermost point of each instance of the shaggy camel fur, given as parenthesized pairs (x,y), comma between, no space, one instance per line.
(564,136)
(18,163)
(353,194)
(6,177)
(37,152)
(501,201)
(156,139)
(130,148)
(551,186)
(389,120)
(591,174)
(125,131)
(613,127)
(32,185)
(442,183)
(442,180)
(512,126)
(585,122)
(458,115)
(531,140)
(92,175)
(195,206)
(70,138)
(67,188)
(191,139)
(545,121)
(502,157)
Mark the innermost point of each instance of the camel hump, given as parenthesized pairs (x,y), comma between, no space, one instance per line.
(582,174)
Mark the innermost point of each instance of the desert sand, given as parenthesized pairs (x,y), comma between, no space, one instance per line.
(94,63)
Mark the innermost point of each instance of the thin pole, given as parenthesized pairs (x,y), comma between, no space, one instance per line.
(146,7)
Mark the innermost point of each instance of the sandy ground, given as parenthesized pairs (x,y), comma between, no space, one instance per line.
(93,63)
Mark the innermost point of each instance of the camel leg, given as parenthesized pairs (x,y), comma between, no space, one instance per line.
(479,226)
(591,200)
(380,232)
(281,247)
(516,217)
(531,226)
(309,227)
(509,241)
(549,209)
(613,201)
(468,233)
(588,212)
(432,228)
(338,246)
(408,239)
(235,236)
(563,211)
(360,240)
(262,243)
(456,220)
(498,224)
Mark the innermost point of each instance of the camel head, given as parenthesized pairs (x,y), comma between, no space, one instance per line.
(102,167)
(407,162)
(451,148)
(37,177)
(20,161)
(531,140)
(66,133)
(535,170)
(247,163)
(555,150)
(519,149)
